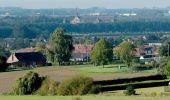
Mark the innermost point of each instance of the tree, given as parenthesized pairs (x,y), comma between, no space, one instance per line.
(41,47)
(102,53)
(61,47)
(125,52)
(3,64)
(167,68)
(164,50)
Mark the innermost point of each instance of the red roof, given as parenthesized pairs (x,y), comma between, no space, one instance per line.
(141,50)
(79,48)
(25,50)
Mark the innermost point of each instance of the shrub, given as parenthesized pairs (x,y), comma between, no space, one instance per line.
(95,89)
(3,64)
(28,84)
(129,90)
(78,85)
(48,87)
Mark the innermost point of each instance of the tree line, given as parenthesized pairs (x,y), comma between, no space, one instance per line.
(34,30)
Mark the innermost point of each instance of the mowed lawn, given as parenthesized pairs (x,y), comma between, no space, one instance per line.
(65,72)
(82,98)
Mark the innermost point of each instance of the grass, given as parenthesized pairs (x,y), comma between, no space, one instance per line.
(82,98)
(108,69)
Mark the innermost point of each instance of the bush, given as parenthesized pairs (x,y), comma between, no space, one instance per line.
(95,89)
(28,84)
(78,85)
(3,64)
(129,90)
(48,87)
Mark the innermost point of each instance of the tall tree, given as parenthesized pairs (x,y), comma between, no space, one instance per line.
(125,52)
(61,46)
(41,47)
(102,53)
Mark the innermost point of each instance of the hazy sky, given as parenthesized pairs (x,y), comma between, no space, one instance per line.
(84,3)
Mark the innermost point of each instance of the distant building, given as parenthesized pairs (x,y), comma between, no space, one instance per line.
(155,44)
(128,14)
(76,20)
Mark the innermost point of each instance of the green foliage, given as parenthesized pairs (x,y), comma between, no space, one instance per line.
(28,84)
(167,68)
(48,87)
(3,64)
(41,47)
(61,46)
(125,51)
(102,53)
(163,50)
(78,85)
(129,90)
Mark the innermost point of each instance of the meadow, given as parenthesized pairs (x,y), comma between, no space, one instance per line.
(59,73)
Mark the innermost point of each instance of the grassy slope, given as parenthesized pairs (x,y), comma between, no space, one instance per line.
(83,98)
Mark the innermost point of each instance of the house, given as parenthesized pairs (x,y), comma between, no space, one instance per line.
(147,53)
(27,57)
(81,52)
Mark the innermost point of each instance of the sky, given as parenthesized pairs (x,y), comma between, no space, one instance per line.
(84,3)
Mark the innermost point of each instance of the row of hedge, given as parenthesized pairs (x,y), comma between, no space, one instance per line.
(128,80)
(145,84)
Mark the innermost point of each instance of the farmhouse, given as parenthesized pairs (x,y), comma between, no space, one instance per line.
(27,57)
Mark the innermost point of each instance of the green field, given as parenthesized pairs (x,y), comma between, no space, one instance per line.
(82,98)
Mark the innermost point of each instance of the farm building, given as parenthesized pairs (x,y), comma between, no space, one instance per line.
(27,57)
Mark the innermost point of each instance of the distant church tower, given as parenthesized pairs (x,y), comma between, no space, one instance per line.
(76,19)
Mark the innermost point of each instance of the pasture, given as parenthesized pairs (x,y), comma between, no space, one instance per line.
(64,72)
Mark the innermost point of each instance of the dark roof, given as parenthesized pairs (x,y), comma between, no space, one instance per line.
(30,57)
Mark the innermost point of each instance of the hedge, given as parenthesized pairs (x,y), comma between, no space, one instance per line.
(128,80)
(136,85)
